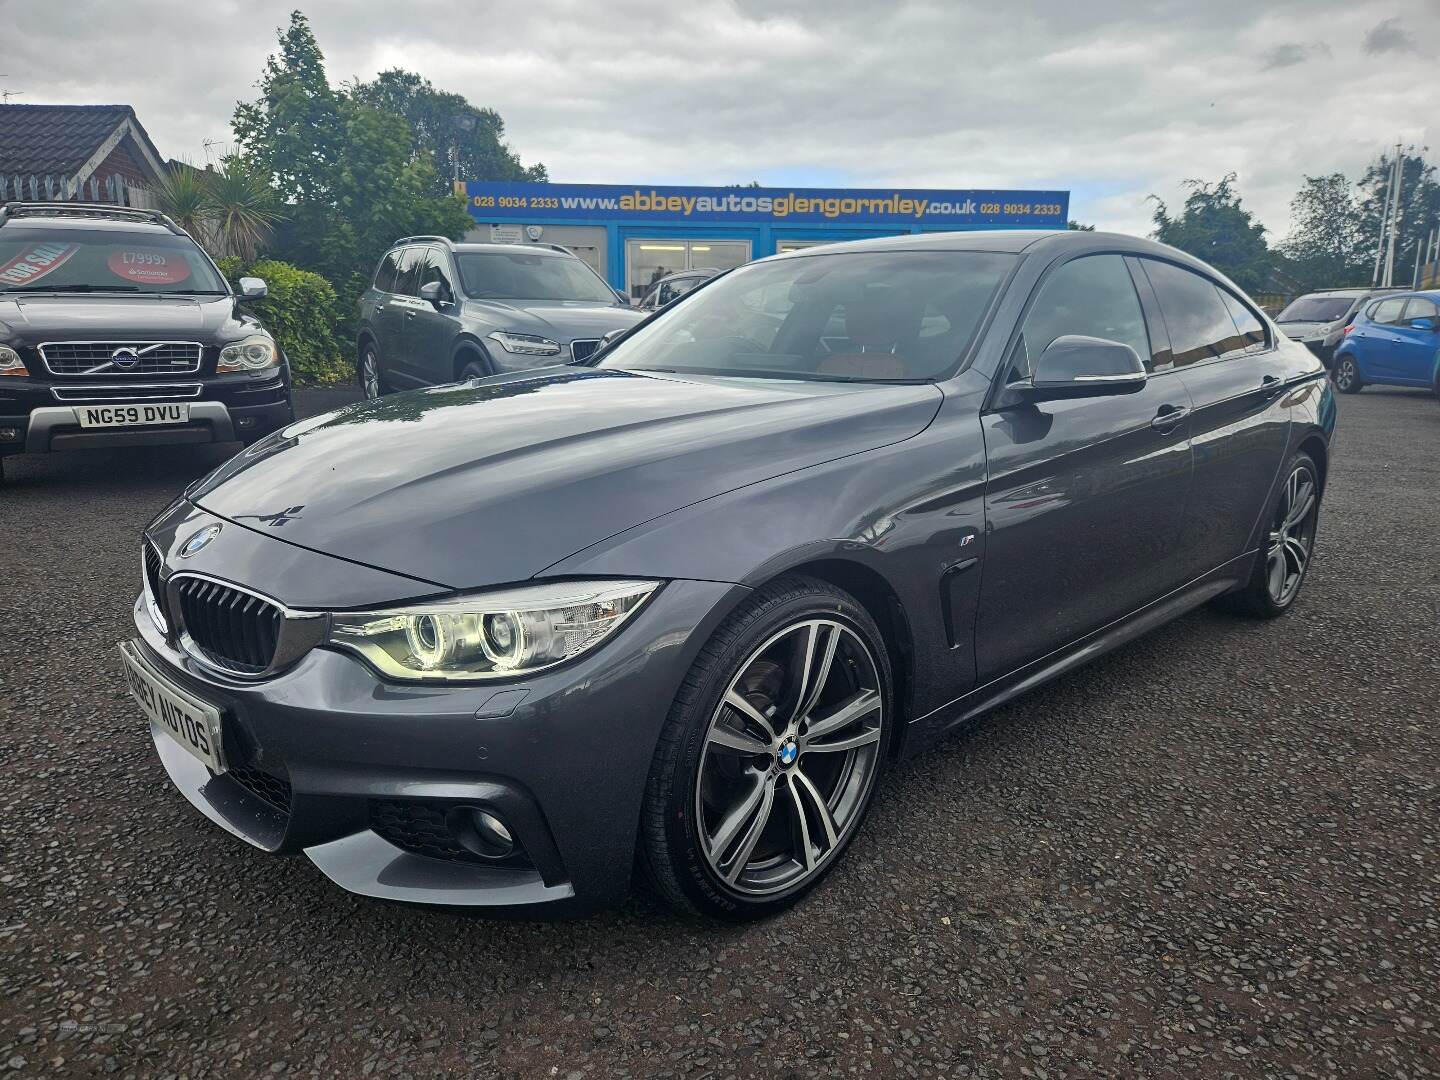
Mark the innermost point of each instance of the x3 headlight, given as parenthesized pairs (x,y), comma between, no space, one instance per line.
(490,635)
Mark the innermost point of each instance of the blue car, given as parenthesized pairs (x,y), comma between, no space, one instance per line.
(1395,341)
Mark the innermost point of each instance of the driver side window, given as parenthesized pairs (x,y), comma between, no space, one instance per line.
(1093,296)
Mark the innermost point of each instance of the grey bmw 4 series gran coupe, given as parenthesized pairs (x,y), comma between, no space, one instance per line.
(497,643)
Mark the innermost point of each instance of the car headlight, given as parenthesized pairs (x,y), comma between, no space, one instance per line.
(10,362)
(526,344)
(489,635)
(254,353)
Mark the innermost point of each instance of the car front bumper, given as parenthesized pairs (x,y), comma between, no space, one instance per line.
(360,775)
(38,417)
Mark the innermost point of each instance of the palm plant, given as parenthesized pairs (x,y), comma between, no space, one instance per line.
(243,208)
(183,194)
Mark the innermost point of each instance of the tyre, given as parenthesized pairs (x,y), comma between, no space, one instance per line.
(475,367)
(372,379)
(1284,559)
(1347,376)
(770,754)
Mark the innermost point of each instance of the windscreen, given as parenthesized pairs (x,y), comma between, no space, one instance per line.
(1316,309)
(518,275)
(103,260)
(896,316)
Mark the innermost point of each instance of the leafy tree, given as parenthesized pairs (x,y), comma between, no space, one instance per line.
(1079,226)
(1326,247)
(1214,226)
(347,172)
(1419,207)
(447,128)
(293,131)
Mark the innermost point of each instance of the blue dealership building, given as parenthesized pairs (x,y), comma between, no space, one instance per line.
(635,234)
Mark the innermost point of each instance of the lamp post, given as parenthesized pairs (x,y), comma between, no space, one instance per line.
(463,123)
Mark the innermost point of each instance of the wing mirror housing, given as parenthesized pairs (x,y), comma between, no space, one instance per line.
(1425,323)
(434,292)
(1077,366)
(605,342)
(253,288)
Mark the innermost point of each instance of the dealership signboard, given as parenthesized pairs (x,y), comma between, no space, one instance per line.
(617,203)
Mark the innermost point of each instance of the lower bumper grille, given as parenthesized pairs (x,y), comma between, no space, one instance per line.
(273,791)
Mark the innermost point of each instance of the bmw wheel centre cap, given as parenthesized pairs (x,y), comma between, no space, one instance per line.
(788,752)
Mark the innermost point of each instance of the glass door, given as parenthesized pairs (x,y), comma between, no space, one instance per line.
(647,261)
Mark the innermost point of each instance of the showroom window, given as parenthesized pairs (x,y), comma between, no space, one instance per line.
(647,261)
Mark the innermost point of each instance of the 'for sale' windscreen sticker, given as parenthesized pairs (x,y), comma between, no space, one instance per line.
(33,263)
(149,267)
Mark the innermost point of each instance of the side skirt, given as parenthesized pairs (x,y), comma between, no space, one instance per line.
(924,730)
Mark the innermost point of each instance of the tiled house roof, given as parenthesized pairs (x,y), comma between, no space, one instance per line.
(62,140)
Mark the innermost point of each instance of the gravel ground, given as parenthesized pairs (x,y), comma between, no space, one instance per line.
(1213,853)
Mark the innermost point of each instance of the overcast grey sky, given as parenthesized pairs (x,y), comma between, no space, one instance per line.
(1113,99)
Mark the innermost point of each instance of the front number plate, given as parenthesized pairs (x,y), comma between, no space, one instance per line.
(191,722)
(133,415)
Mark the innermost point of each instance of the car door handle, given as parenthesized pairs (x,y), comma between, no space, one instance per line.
(1169,417)
(1271,384)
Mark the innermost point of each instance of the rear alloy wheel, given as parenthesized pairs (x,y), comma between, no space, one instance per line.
(770,755)
(1347,376)
(1289,545)
(371,381)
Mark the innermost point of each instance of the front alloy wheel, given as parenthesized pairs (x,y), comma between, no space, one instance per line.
(763,776)
(789,757)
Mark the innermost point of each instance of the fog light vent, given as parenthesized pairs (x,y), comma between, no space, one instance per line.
(9,434)
(479,831)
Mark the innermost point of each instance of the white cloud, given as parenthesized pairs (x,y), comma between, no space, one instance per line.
(1110,99)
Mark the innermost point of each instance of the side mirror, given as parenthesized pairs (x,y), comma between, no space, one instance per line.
(253,288)
(1076,366)
(1422,324)
(605,342)
(622,298)
(434,292)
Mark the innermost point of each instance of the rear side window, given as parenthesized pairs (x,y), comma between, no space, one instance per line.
(1387,311)
(385,273)
(1195,314)
(1093,296)
(1247,323)
(1420,308)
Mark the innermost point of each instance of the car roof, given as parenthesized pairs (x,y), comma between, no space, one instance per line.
(70,223)
(528,249)
(1014,241)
